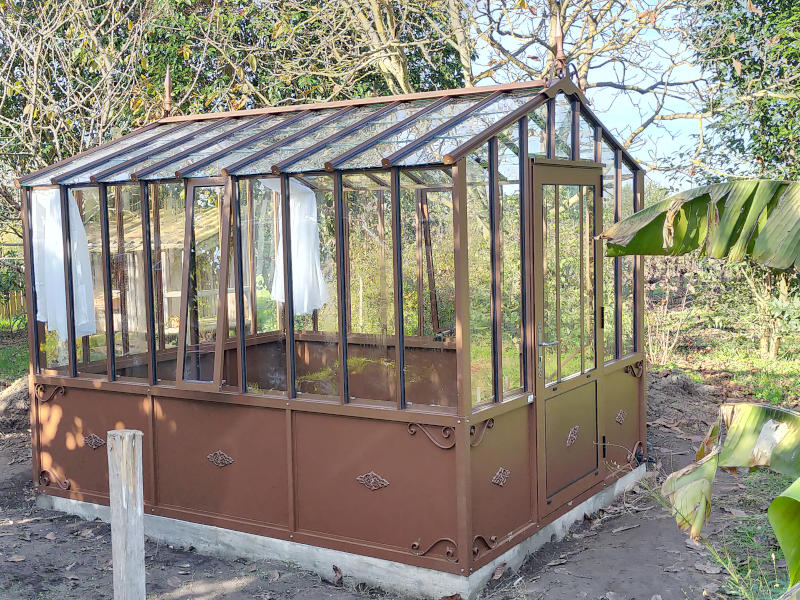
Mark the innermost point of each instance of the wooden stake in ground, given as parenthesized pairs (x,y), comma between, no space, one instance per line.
(127,513)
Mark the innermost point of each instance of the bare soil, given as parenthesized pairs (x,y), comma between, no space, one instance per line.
(632,550)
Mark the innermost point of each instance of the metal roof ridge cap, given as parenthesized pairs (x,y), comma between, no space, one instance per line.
(150,151)
(201,146)
(388,161)
(276,169)
(433,94)
(228,170)
(179,174)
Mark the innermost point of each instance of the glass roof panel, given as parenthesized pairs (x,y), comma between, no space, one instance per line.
(371,157)
(264,164)
(151,159)
(316,161)
(45,178)
(214,169)
(168,170)
(434,151)
(173,135)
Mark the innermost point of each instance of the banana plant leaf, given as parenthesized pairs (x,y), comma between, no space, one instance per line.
(759,219)
(755,436)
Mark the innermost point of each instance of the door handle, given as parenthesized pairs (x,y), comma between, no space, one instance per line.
(548,344)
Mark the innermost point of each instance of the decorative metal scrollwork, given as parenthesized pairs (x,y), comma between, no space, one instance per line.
(572,436)
(94,441)
(477,431)
(40,389)
(636,369)
(220,459)
(372,481)
(490,543)
(46,477)
(449,551)
(446,437)
(501,477)
(621,417)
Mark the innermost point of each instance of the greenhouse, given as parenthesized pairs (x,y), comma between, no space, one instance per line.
(383,326)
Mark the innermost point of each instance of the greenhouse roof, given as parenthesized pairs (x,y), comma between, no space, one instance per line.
(430,128)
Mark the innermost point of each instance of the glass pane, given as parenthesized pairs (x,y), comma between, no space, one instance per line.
(46,178)
(537,131)
(265,163)
(569,272)
(317,161)
(48,266)
(314,276)
(589,258)
(480,276)
(609,264)
(480,120)
(205,255)
(585,139)
(87,281)
(128,301)
(563,133)
(171,135)
(371,356)
(511,253)
(627,264)
(265,332)
(167,221)
(428,289)
(548,337)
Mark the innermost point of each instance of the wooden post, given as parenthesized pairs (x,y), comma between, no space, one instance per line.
(127,513)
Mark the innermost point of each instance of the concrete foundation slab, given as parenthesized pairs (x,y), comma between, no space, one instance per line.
(413,581)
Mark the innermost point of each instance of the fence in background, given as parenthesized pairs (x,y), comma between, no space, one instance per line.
(14,304)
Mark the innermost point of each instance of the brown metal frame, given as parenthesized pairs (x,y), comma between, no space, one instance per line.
(459,448)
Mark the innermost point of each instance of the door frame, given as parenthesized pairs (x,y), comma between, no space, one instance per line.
(585,173)
(222,313)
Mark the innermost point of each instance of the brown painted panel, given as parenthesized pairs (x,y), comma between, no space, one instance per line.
(431,376)
(570,437)
(413,504)
(68,425)
(501,478)
(619,418)
(252,486)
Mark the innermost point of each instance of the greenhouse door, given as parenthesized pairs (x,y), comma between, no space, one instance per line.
(567,326)
(203,299)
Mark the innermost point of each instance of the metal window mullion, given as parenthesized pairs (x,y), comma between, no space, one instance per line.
(241,348)
(638,271)
(251,257)
(288,287)
(144,193)
(462,308)
(557,257)
(397,250)
(341,284)
(70,301)
(111,366)
(581,276)
(617,260)
(575,128)
(523,246)
(418,235)
(496,269)
(551,128)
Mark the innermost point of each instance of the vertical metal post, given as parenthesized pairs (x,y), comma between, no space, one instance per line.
(111,362)
(67,243)
(288,287)
(550,145)
(575,128)
(461,251)
(495,247)
(617,260)
(158,266)
(418,234)
(397,248)
(144,193)
(524,193)
(341,284)
(30,281)
(251,257)
(238,266)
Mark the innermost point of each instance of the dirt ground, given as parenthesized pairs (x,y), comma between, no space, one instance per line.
(632,550)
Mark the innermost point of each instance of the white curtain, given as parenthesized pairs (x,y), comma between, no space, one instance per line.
(48,265)
(309,289)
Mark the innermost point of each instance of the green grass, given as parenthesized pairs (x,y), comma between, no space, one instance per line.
(13,359)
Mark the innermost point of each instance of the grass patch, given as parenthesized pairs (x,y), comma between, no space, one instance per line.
(13,355)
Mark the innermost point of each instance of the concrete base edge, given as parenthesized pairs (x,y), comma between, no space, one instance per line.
(410,580)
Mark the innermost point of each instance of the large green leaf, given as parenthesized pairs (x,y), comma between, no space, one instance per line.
(756,436)
(734,220)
